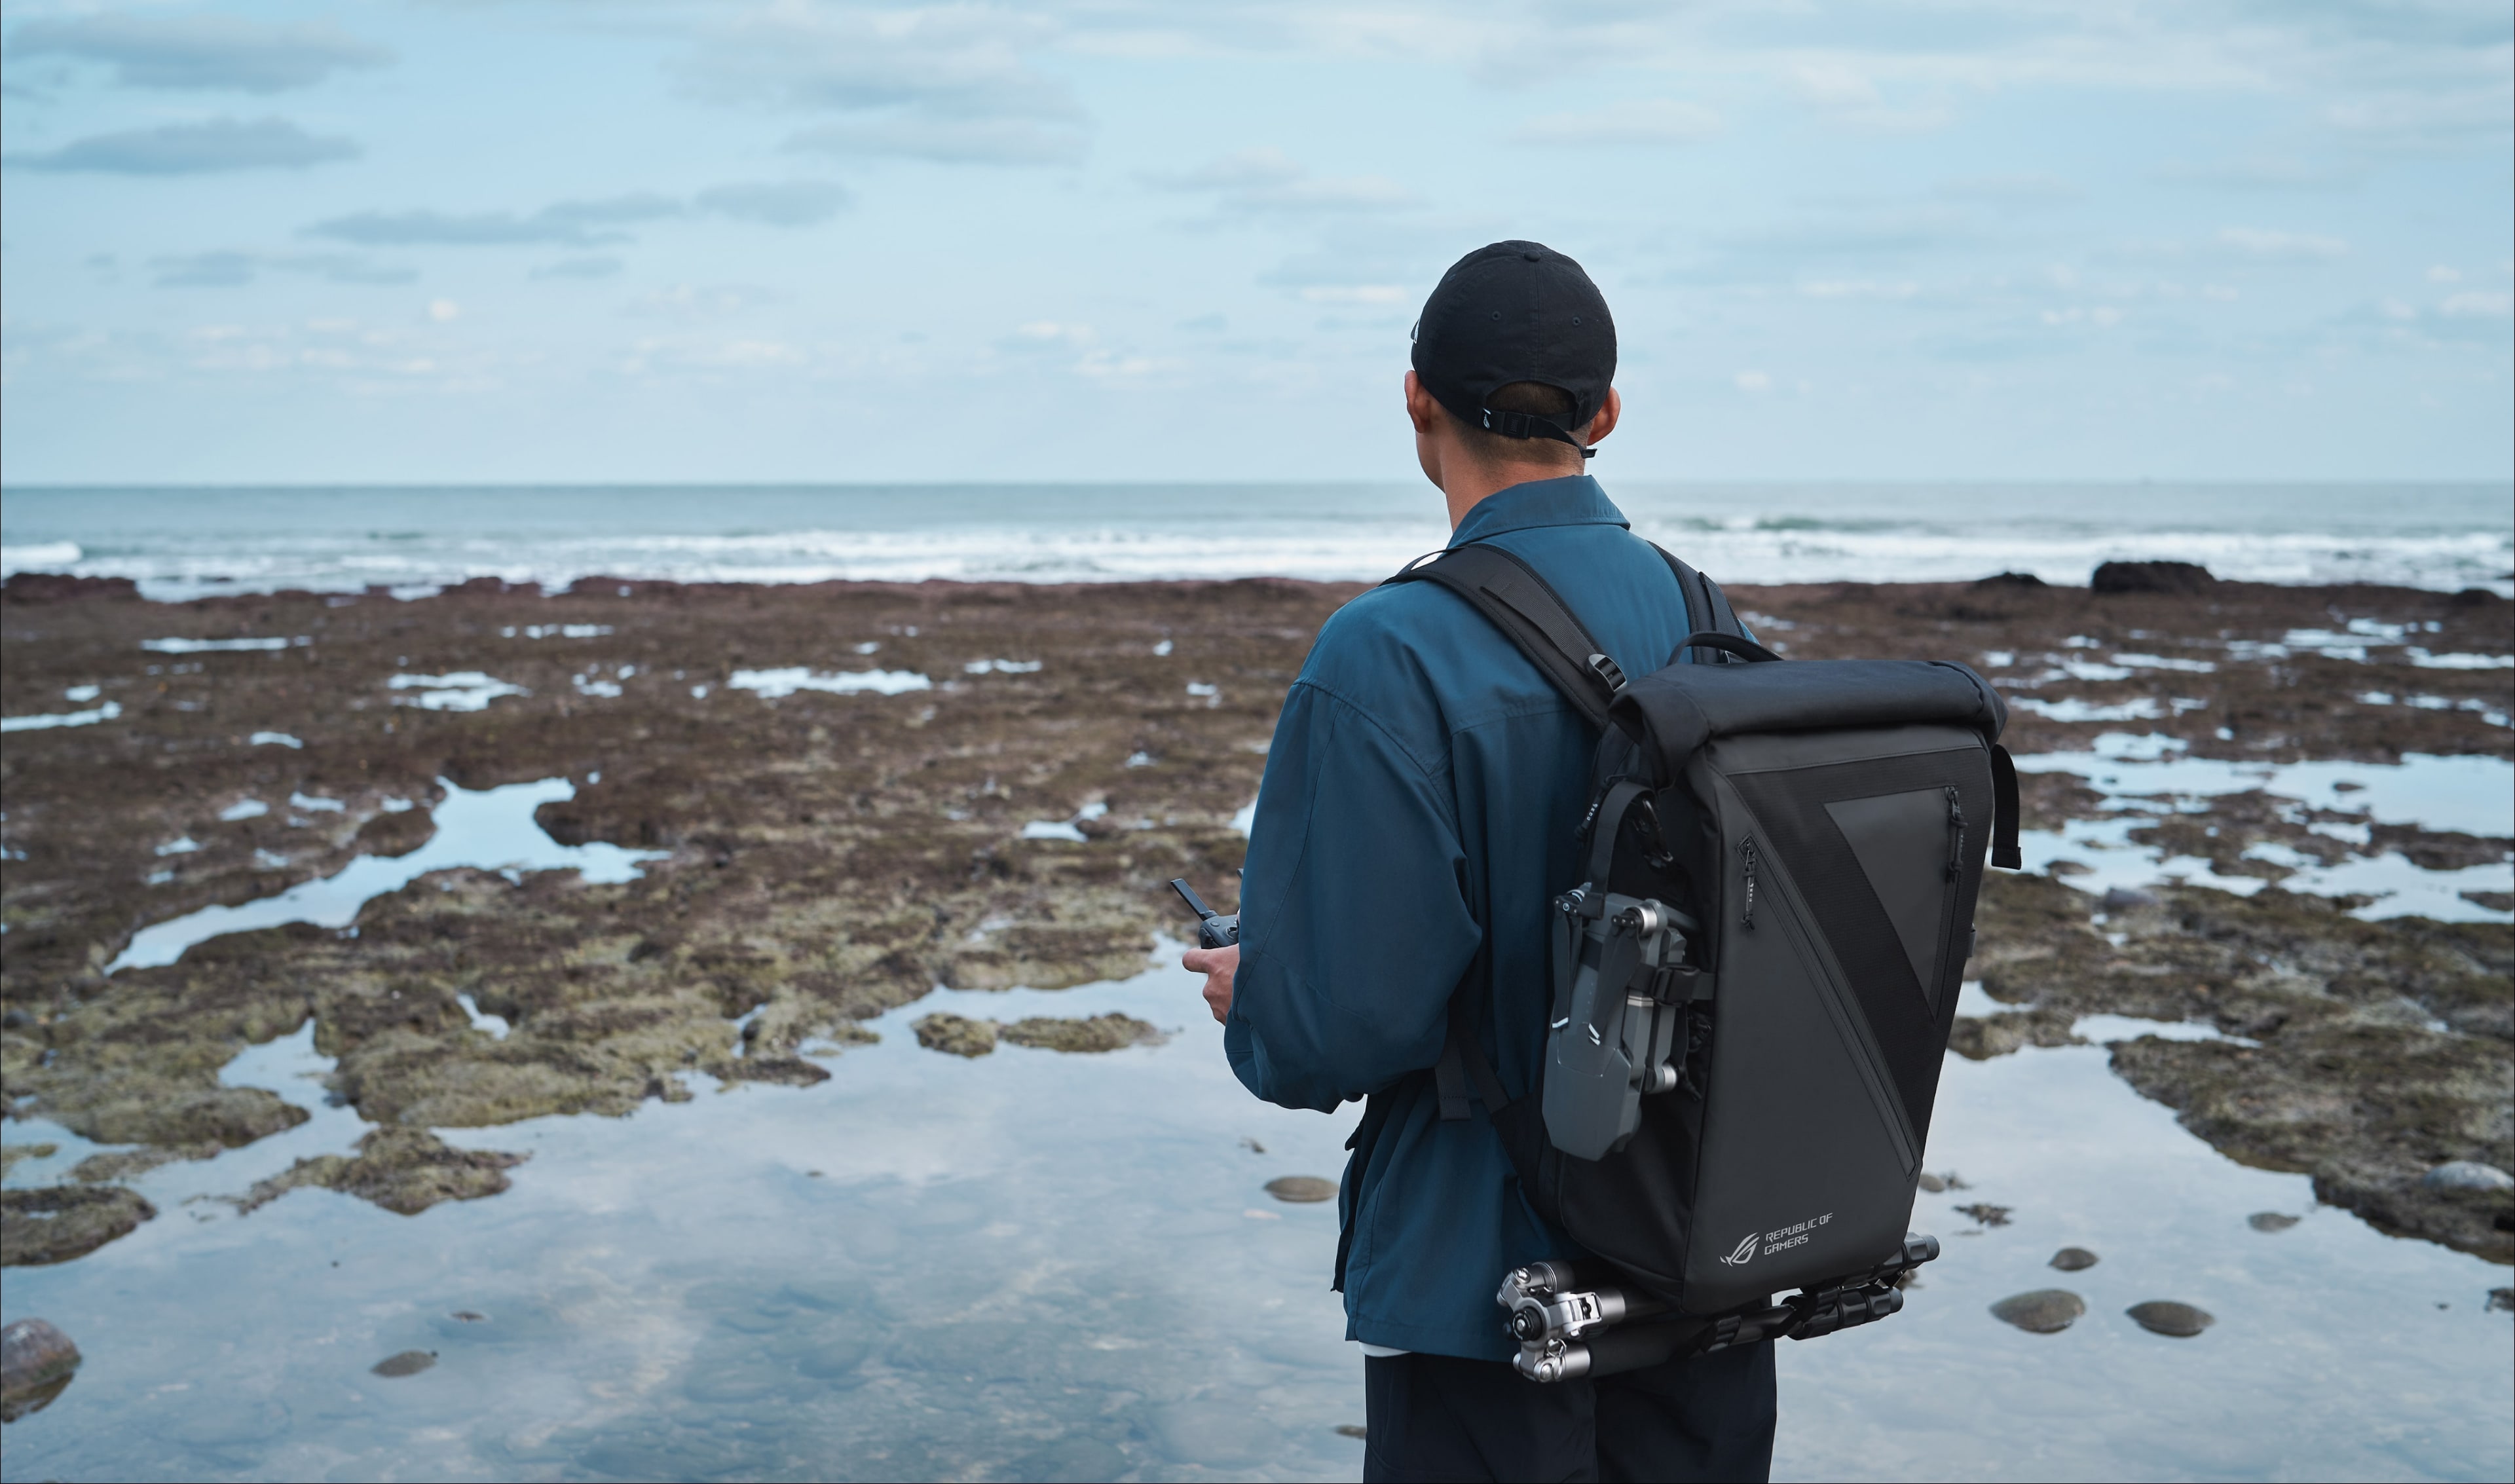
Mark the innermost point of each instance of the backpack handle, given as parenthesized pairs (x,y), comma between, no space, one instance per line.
(1744,648)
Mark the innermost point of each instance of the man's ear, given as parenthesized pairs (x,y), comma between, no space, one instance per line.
(1421,409)
(1605,422)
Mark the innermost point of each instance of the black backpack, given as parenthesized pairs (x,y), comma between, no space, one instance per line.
(1753,982)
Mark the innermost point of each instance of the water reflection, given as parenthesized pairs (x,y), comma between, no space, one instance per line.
(1032,1265)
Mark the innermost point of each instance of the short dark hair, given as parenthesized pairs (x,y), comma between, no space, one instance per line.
(1523,396)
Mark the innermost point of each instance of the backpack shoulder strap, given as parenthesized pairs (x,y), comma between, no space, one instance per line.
(1707,608)
(1510,594)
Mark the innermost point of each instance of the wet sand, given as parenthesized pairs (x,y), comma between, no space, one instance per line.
(824,855)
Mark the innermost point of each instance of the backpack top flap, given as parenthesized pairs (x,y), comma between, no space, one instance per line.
(1675,711)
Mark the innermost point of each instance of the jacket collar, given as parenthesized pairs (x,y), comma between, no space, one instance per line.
(1573,500)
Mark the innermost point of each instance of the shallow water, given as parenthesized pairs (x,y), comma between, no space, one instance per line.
(1035,1266)
(487,828)
(2473,795)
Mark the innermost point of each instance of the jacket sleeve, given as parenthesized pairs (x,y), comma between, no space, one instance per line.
(1354,925)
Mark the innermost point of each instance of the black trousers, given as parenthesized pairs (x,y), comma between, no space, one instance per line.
(1437,1417)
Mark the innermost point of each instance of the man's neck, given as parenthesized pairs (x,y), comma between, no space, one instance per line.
(1472,483)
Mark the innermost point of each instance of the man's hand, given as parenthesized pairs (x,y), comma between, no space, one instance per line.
(1218,965)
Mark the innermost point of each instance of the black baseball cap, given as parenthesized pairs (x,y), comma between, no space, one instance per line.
(1516,312)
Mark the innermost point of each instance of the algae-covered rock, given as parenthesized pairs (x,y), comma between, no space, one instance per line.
(1097,1033)
(53,1223)
(1979,1038)
(11,1154)
(36,1364)
(402,1169)
(2366,1109)
(117,1165)
(785,1071)
(958,1035)
(132,1111)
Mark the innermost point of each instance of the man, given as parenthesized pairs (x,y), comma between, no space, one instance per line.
(1420,805)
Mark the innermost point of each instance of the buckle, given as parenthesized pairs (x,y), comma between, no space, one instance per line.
(1608,671)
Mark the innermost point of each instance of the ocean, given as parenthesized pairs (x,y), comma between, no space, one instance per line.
(181,543)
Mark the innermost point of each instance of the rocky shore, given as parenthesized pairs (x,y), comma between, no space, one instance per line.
(861,791)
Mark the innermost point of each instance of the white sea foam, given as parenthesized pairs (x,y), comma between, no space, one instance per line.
(459,690)
(47,721)
(181,544)
(39,557)
(215,646)
(773,683)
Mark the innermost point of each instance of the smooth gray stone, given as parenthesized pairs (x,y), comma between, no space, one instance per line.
(1301,1188)
(2071,1260)
(2045,1311)
(2271,1221)
(2164,1316)
(407,1363)
(2467,1175)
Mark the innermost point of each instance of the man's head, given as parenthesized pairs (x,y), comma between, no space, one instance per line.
(1514,365)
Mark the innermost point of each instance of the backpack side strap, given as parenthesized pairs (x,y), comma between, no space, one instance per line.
(1511,595)
(2004,828)
(1705,606)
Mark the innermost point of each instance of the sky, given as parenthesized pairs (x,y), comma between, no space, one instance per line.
(446,241)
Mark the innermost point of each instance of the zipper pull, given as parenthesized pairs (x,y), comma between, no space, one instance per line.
(1747,847)
(1956,834)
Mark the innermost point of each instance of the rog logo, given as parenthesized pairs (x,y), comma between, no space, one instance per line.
(1746,1251)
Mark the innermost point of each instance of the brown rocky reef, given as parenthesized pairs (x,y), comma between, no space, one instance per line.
(827,855)
(2364,1054)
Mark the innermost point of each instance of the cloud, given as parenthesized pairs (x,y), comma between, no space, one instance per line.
(1266,182)
(588,223)
(690,302)
(1042,336)
(2476,304)
(919,135)
(202,148)
(2281,246)
(199,52)
(1858,288)
(776,203)
(568,223)
(2031,189)
(1847,95)
(2266,173)
(1649,121)
(946,83)
(233,269)
(578,267)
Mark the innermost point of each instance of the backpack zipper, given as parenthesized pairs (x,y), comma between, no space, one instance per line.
(1956,835)
(1747,847)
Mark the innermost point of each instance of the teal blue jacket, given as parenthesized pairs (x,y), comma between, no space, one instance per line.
(1419,799)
